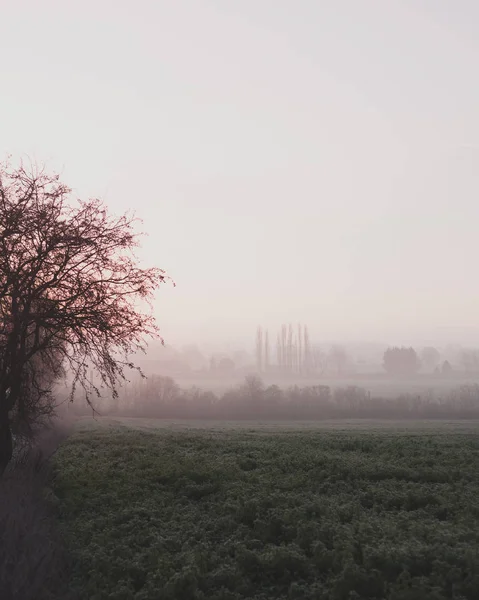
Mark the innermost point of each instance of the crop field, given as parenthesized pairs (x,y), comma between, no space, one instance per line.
(155,510)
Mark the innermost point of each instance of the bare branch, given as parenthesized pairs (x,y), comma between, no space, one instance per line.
(69,286)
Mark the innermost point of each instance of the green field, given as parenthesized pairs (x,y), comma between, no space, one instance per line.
(172,510)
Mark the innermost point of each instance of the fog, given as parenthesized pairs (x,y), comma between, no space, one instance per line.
(301,380)
(310,162)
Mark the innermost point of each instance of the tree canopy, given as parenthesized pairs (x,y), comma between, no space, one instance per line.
(401,361)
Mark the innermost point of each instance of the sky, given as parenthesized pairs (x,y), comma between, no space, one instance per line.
(312,161)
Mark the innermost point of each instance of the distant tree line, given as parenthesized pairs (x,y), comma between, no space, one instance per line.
(296,355)
(405,361)
(290,354)
(162,397)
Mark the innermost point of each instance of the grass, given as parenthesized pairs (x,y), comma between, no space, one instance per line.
(218,512)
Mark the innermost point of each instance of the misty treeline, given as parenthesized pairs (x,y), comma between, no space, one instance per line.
(161,397)
(293,355)
(296,355)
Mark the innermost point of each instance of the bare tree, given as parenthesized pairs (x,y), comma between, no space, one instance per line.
(307,351)
(36,402)
(252,388)
(69,286)
(266,351)
(300,349)
(290,348)
(259,349)
(319,360)
(279,352)
(284,352)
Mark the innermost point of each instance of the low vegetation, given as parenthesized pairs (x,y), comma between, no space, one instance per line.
(270,513)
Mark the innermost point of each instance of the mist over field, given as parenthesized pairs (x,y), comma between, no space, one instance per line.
(239,300)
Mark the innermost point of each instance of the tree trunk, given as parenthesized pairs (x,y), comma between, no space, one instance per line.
(6,442)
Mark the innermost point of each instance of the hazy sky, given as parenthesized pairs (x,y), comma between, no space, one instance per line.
(314,161)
